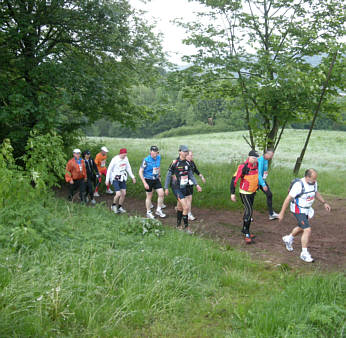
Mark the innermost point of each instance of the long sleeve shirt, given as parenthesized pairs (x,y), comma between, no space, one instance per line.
(75,170)
(262,171)
(118,169)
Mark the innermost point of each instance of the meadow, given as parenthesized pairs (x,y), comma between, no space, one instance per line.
(68,270)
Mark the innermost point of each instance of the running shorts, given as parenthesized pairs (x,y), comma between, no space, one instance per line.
(303,220)
(153,184)
(119,185)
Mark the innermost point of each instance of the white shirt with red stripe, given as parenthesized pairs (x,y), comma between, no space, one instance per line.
(119,167)
(302,204)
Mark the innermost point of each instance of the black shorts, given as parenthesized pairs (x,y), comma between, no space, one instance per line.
(189,190)
(180,193)
(303,220)
(153,184)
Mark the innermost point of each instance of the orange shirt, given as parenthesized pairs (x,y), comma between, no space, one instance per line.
(100,161)
(75,171)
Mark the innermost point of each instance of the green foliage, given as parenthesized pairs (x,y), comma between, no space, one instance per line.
(144,226)
(45,159)
(68,63)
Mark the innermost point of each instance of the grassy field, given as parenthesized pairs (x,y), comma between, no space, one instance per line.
(217,156)
(73,271)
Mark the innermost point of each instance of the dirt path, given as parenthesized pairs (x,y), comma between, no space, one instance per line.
(328,242)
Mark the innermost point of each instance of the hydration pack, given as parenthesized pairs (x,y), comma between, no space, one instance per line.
(295,180)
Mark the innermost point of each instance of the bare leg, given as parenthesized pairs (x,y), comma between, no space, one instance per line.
(306,237)
(148,200)
(189,202)
(160,197)
(296,231)
(122,196)
(117,197)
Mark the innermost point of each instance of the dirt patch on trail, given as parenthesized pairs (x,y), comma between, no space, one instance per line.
(327,245)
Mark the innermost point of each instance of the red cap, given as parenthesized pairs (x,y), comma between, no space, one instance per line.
(123,151)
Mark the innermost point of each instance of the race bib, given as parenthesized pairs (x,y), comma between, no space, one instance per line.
(156,171)
(80,167)
(265,175)
(184,180)
(103,163)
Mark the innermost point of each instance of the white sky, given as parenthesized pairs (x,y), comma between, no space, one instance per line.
(164,11)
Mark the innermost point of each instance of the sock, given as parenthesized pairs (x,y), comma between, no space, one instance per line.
(186,221)
(291,238)
(179,217)
(119,206)
(304,250)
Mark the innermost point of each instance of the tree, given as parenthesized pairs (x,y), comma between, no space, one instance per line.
(65,63)
(259,50)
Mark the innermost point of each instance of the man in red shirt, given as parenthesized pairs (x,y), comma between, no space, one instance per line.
(100,161)
(76,175)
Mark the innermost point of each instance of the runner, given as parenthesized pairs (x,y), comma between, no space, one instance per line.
(189,157)
(301,197)
(92,175)
(248,175)
(150,175)
(117,176)
(76,175)
(100,161)
(263,184)
(178,175)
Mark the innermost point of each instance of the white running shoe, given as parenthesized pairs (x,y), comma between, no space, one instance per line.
(121,210)
(150,215)
(109,191)
(115,209)
(306,257)
(288,242)
(93,202)
(96,194)
(191,217)
(163,206)
(151,206)
(159,212)
(274,215)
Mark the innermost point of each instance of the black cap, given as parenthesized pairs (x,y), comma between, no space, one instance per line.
(154,148)
(253,153)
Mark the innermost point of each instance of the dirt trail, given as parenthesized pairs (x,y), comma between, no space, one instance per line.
(328,242)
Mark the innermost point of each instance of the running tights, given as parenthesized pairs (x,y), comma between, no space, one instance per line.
(247,200)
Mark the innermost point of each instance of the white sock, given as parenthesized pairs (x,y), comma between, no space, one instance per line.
(304,250)
(291,238)
(158,209)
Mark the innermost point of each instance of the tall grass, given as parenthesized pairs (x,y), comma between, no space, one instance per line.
(101,277)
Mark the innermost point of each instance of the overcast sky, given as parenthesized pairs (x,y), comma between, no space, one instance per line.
(164,11)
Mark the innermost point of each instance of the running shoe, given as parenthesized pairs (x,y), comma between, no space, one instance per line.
(248,239)
(150,215)
(152,206)
(251,235)
(191,217)
(159,212)
(109,191)
(121,210)
(115,209)
(306,257)
(93,202)
(86,199)
(274,215)
(188,231)
(96,194)
(288,242)
(163,206)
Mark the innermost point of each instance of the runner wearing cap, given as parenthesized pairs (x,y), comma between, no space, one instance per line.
(189,157)
(100,161)
(263,184)
(178,176)
(92,174)
(117,176)
(149,172)
(76,175)
(248,175)
(301,197)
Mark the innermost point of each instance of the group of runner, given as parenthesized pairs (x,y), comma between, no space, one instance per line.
(83,171)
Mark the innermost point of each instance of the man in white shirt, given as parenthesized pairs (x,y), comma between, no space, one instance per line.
(301,197)
(117,175)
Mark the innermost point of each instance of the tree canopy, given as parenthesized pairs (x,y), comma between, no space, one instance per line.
(64,63)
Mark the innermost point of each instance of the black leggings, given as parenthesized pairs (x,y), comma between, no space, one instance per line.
(269,199)
(247,200)
(77,184)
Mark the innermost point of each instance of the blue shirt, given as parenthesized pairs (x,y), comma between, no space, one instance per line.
(151,167)
(262,171)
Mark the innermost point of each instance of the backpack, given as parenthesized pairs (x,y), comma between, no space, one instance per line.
(295,180)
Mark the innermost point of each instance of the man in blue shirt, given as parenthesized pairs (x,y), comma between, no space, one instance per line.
(149,172)
(263,185)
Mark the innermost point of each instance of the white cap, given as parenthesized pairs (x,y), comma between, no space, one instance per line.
(76,151)
(104,149)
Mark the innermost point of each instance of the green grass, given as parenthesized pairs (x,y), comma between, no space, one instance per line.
(89,272)
(217,157)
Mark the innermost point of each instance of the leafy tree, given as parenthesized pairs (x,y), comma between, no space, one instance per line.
(64,63)
(258,51)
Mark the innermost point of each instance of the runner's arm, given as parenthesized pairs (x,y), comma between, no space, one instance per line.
(129,170)
(140,173)
(68,174)
(236,177)
(287,201)
(168,178)
(109,171)
(321,199)
(261,181)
